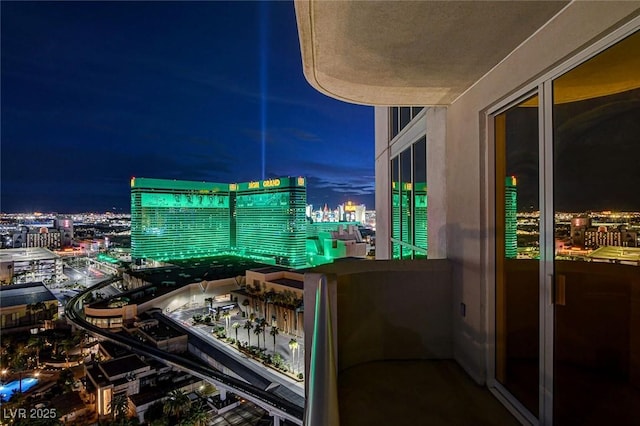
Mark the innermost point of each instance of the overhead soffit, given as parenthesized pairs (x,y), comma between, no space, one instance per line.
(351,49)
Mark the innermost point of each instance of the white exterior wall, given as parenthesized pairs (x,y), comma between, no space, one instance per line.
(432,122)
(383,201)
(469,227)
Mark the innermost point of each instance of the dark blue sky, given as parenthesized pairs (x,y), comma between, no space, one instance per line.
(94,93)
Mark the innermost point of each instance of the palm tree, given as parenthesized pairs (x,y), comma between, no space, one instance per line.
(119,406)
(66,380)
(176,404)
(39,307)
(36,344)
(67,345)
(235,326)
(19,364)
(226,316)
(293,345)
(263,328)
(248,325)
(274,332)
(30,308)
(257,331)
(198,416)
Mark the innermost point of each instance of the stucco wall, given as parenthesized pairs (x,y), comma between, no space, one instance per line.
(388,310)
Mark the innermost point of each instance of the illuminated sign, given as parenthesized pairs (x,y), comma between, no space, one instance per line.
(254,185)
(349,207)
(300,181)
(192,201)
(271,183)
(133,182)
(233,187)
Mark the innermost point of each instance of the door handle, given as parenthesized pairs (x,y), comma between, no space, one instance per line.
(561,290)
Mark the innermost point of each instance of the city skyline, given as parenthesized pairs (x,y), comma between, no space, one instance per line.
(95,93)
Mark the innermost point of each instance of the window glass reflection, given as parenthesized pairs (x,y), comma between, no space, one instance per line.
(420,193)
(395,206)
(517,251)
(596,123)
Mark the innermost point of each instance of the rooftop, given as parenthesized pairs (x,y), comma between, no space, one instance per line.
(184,272)
(289,283)
(162,331)
(152,394)
(622,254)
(67,403)
(26,254)
(24,294)
(122,365)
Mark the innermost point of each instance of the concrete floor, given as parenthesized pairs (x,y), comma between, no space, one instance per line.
(415,393)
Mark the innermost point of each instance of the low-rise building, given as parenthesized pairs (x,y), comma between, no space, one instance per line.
(26,306)
(117,376)
(24,265)
(142,382)
(275,294)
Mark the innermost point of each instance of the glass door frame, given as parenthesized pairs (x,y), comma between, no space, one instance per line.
(543,87)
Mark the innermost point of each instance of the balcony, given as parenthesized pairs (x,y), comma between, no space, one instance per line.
(381,339)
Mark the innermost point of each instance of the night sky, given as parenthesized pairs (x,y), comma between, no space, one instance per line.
(95,93)
(596,153)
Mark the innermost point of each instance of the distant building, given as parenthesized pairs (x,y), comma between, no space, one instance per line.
(510,219)
(270,220)
(579,226)
(30,265)
(173,219)
(604,236)
(42,236)
(138,380)
(584,235)
(65,225)
(334,240)
(264,220)
(350,212)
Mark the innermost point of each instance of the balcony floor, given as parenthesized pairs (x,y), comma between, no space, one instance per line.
(434,392)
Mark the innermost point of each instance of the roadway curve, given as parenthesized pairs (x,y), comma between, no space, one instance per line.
(268,401)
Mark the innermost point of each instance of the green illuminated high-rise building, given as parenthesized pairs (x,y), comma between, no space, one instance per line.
(510,217)
(270,220)
(172,219)
(420,201)
(182,220)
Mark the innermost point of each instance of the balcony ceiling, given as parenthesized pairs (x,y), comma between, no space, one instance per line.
(350,49)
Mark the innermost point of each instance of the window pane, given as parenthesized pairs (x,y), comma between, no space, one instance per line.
(406,187)
(395,205)
(394,120)
(517,252)
(596,123)
(420,193)
(415,111)
(405,117)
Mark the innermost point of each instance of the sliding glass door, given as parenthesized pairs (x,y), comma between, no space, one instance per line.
(517,251)
(567,244)
(596,199)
